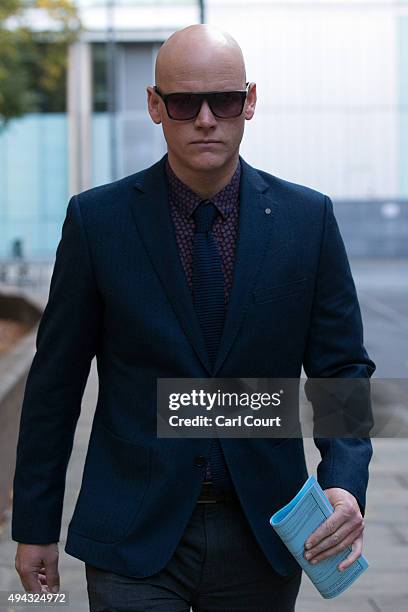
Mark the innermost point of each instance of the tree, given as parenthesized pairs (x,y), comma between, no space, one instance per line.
(33,63)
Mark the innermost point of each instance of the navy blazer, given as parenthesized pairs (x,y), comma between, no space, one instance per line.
(118,291)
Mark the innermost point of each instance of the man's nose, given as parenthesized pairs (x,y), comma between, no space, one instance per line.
(205,117)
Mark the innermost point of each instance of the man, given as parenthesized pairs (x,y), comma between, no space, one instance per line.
(199,266)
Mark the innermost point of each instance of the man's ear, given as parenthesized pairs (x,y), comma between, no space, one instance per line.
(153,102)
(250,102)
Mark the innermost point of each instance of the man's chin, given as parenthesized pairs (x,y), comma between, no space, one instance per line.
(207,161)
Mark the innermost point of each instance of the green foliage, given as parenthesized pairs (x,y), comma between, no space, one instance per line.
(33,64)
(9,7)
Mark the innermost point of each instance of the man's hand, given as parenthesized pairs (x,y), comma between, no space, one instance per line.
(343,528)
(37,566)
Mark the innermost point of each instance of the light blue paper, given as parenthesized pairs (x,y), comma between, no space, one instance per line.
(296,521)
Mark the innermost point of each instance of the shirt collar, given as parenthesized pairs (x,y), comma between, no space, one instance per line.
(187,200)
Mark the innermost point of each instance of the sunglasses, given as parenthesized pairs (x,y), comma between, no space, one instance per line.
(186,105)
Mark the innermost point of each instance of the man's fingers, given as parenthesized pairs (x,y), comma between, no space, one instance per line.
(53,582)
(30,581)
(37,566)
(353,538)
(53,579)
(342,529)
(356,525)
(326,529)
(356,550)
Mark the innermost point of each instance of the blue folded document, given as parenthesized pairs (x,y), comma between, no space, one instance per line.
(296,521)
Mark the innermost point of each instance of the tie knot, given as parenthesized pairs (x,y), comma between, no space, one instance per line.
(204,216)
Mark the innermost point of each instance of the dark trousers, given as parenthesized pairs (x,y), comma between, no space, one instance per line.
(218,566)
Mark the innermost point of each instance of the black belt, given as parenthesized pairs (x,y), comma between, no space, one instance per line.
(208,496)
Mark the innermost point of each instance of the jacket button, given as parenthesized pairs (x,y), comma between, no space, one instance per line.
(200,461)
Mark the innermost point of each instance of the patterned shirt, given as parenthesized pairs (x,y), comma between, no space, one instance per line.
(183,202)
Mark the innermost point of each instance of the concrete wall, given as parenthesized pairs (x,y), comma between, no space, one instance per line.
(331,78)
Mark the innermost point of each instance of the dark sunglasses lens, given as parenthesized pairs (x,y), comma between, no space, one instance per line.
(183,106)
(223,104)
(227,105)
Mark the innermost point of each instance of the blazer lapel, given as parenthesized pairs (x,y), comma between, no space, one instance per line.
(151,213)
(256,216)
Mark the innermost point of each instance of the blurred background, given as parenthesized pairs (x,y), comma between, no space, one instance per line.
(332,109)
(332,113)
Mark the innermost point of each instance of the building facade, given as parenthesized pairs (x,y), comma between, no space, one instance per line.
(332,111)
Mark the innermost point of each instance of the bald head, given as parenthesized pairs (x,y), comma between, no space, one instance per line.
(198,54)
(203,150)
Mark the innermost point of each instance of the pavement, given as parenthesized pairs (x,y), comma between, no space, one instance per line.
(384,586)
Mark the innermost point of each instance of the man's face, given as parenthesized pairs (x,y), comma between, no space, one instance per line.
(185,138)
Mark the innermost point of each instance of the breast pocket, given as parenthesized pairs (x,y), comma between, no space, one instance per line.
(115,480)
(279,292)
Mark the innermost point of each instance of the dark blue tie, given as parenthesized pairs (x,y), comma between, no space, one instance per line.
(209,303)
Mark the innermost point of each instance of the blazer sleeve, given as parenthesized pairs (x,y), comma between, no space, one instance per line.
(335,349)
(66,342)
